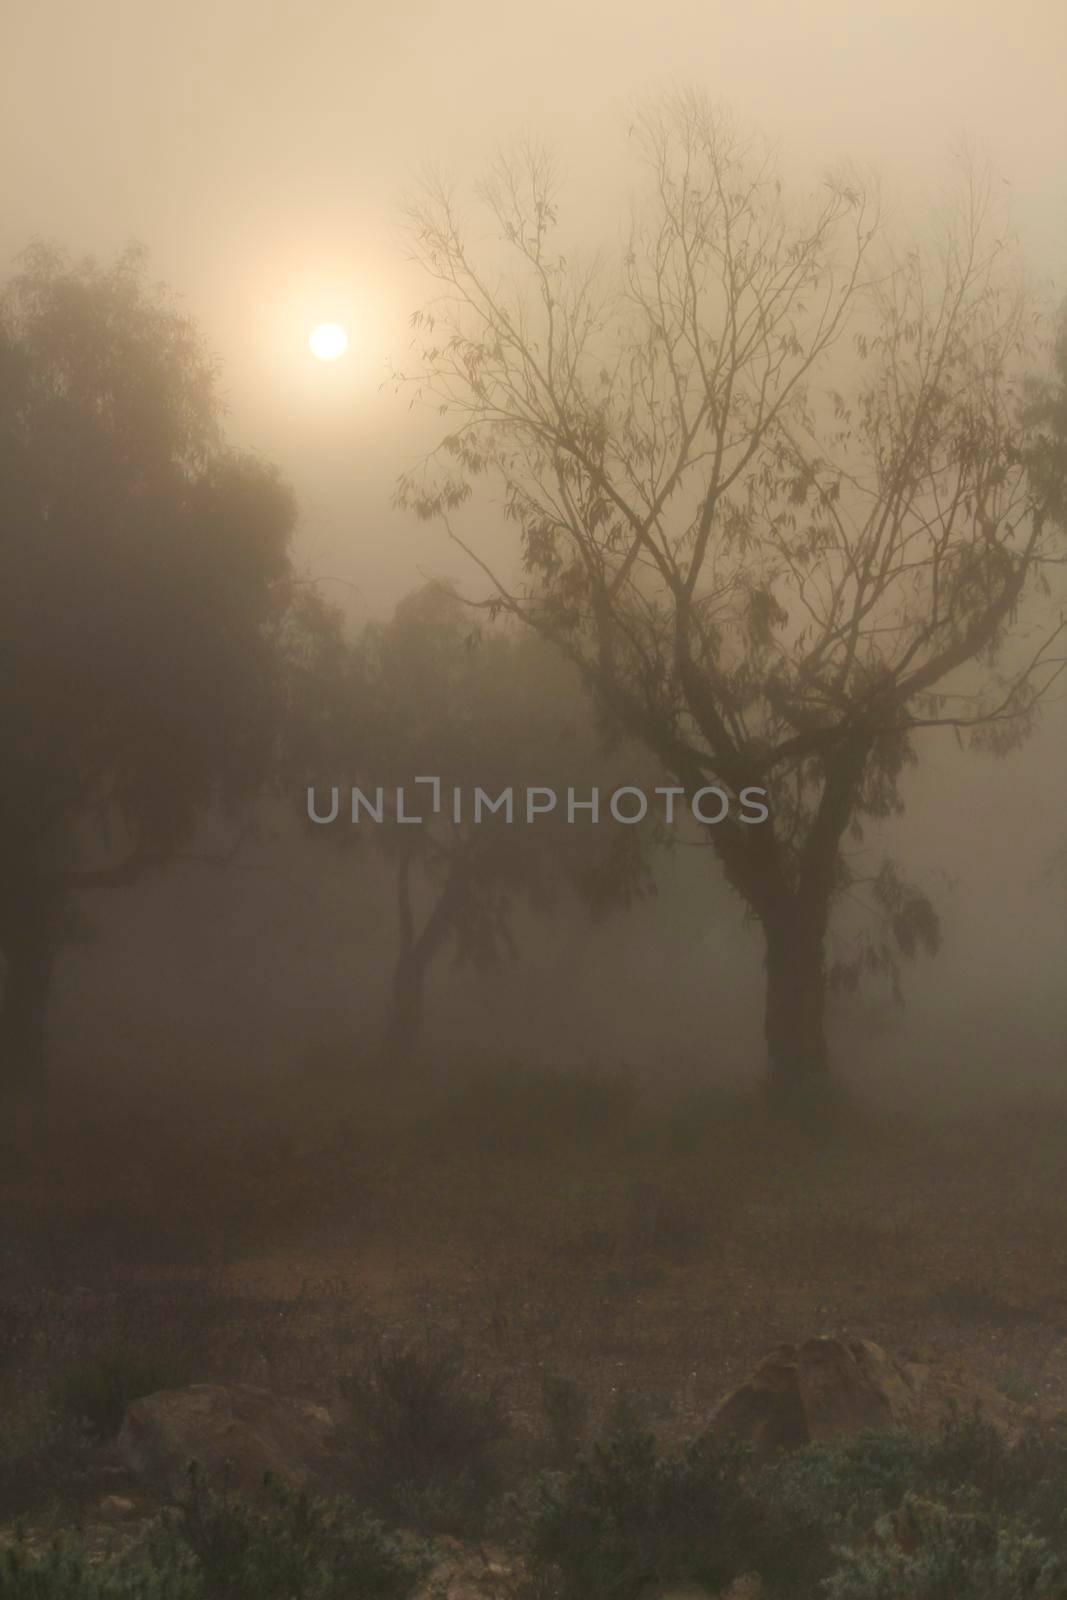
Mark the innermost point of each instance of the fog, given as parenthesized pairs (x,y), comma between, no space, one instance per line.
(408,1164)
(262,158)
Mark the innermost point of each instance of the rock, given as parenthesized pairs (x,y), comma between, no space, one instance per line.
(116,1507)
(830,1388)
(766,1410)
(237,1432)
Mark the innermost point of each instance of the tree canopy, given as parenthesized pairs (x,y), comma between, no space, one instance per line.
(781,490)
(145,598)
(437,693)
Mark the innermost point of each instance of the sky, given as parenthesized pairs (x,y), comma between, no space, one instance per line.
(261,154)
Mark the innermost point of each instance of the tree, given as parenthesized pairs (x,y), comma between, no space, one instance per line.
(434,694)
(145,587)
(776,553)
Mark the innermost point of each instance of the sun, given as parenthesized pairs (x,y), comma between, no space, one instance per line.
(328,341)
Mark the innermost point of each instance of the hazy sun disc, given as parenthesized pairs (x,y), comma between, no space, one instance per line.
(328,341)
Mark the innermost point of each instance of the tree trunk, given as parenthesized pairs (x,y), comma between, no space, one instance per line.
(417,953)
(406,1014)
(409,974)
(795,1019)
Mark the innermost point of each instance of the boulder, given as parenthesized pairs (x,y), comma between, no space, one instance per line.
(237,1433)
(116,1508)
(829,1388)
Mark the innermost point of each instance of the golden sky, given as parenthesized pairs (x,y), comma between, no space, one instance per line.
(260,152)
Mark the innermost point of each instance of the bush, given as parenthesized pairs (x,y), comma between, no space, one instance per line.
(566,1410)
(814,1500)
(628,1516)
(218,1548)
(295,1548)
(97,1385)
(121,1347)
(424,1440)
(41,1451)
(962,1556)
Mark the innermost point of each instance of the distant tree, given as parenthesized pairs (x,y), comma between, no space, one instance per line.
(769,581)
(436,694)
(145,600)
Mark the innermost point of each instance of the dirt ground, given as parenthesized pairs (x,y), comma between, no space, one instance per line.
(659,1251)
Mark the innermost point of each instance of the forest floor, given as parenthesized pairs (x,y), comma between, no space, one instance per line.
(554,1224)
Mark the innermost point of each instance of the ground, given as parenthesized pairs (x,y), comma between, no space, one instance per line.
(653,1245)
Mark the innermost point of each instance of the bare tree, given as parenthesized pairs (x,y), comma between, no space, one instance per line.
(775,492)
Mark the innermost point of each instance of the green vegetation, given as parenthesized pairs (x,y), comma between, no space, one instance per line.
(962,1515)
(217,1548)
(989,1517)
(425,1439)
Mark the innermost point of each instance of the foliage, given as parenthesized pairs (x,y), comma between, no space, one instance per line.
(297,1545)
(66,1572)
(961,1554)
(435,693)
(783,493)
(424,1440)
(566,1410)
(217,1548)
(145,598)
(130,1346)
(96,1385)
(41,1450)
(144,565)
(629,1514)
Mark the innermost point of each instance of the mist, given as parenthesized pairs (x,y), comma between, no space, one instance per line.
(700,423)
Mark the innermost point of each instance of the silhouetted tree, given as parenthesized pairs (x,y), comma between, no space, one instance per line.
(144,598)
(435,694)
(769,583)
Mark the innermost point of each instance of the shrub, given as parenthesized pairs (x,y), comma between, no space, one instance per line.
(296,1546)
(132,1345)
(97,1385)
(627,1516)
(66,1572)
(217,1548)
(424,1440)
(566,1411)
(41,1451)
(965,1556)
(808,1503)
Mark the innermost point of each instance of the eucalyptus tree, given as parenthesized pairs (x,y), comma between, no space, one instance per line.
(449,725)
(145,611)
(777,488)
